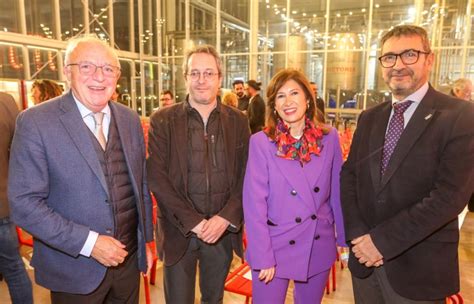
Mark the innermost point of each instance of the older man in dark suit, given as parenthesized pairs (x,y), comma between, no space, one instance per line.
(408,175)
(78,184)
(11,264)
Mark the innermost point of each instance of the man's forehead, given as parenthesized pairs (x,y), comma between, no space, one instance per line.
(402,43)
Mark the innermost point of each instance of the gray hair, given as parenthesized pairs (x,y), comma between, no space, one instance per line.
(202,49)
(86,38)
(408,30)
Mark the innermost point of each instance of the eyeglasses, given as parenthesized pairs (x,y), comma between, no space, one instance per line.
(408,57)
(195,75)
(165,99)
(88,69)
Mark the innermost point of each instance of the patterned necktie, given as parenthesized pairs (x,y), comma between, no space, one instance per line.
(98,130)
(395,129)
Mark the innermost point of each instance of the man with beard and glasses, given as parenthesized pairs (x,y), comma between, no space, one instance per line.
(407,177)
(239,90)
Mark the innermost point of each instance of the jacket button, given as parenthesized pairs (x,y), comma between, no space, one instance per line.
(298,219)
(109,231)
(313,217)
(107,201)
(292,242)
(317,237)
(316,189)
(293,192)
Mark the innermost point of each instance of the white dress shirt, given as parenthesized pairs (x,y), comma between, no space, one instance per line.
(87,117)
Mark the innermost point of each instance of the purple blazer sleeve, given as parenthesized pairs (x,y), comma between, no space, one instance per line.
(335,198)
(255,194)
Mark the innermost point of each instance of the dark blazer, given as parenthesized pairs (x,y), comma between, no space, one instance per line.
(168,175)
(256,113)
(8,114)
(411,212)
(58,190)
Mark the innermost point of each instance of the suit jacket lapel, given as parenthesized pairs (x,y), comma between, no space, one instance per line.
(376,141)
(312,173)
(78,131)
(419,121)
(292,171)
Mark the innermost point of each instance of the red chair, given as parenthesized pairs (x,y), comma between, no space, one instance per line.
(238,280)
(22,240)
(331,278)
(455,299)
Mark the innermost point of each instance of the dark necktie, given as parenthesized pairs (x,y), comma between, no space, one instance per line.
(395,129)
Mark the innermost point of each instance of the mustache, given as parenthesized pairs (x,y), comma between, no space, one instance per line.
(402,72)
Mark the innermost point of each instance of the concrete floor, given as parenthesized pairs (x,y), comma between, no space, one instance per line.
(342,295)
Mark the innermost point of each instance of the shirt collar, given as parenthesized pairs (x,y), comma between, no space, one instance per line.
(416,97)
(85,111)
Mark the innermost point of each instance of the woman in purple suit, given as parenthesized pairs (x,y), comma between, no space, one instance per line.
(291,196)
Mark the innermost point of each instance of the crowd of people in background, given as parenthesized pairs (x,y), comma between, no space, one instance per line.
(79,180)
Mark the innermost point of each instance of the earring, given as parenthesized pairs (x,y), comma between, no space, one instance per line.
(307,103)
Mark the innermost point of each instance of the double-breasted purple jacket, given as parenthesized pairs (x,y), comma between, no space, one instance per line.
(292,213)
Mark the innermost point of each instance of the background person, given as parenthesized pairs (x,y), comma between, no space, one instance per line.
(291,196)
(256,108)
(230,99)
(166,98)
(11,263)
(42,90)
(239,90)
(462,89)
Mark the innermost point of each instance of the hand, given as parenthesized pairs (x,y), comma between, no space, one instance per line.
(150,256)
(109,251)
(266,275)
(213,229)
(366,252)
(198,228)
(343,255)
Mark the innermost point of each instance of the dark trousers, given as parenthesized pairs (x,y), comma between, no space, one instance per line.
(11,265)
(376,289)
(214,263)
(120,285)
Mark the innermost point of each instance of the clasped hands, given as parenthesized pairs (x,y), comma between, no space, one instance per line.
(365,251)
(211,230)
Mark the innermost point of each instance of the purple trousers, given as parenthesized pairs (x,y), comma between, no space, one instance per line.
(309,292)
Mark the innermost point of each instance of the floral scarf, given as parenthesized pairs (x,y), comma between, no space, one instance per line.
(301,149)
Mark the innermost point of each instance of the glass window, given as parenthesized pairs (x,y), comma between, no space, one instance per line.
(98,18)
(235,67)
(11,62)
(72,18)
(235,26)
(9,21)
(149,14)
(44,63)
(203,22)
(445,21)
(39,18)
(125,83)
(121,25)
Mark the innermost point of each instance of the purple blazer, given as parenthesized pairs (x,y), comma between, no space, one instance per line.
(293,213)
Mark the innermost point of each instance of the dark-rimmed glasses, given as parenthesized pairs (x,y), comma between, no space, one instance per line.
(195,75)
(408,57)
(88,69)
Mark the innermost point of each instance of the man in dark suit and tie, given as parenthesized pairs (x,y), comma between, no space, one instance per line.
(78,184)
(408,175)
